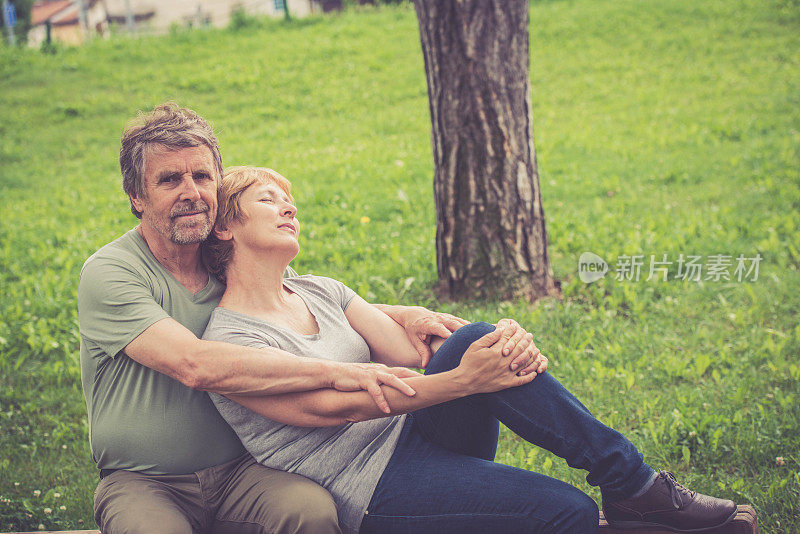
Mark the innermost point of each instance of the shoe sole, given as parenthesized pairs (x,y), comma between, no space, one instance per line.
(629,525)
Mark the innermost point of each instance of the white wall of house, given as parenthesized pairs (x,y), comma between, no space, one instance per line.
(216,12)
(36,36)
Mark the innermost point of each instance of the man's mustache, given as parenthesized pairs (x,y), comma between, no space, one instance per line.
(191,207)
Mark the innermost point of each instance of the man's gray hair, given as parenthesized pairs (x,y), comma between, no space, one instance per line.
(167,125)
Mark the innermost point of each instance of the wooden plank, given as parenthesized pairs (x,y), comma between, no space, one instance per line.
(745,522)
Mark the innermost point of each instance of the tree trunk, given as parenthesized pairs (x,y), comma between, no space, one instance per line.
(490,232)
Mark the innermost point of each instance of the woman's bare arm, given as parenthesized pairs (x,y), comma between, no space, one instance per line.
(387,340)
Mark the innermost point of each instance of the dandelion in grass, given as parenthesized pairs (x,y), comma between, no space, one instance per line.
(779,461)
(36,493)
(48,511)
(365,219)
(62,507)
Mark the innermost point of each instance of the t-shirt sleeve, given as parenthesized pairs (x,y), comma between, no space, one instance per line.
(290,273)
(228,329)
(115,304)
(341,294)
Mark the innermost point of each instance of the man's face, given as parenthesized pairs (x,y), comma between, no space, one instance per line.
(180,200)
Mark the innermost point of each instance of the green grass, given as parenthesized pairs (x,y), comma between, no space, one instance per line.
(661,128)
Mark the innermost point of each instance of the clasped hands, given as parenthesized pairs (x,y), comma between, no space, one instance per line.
(485,366)
(518,344)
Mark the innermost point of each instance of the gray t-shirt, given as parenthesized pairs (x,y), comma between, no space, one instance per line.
(347,460)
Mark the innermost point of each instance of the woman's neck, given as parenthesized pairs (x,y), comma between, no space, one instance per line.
(255,284)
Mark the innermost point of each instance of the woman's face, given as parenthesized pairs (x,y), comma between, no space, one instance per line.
(269,220)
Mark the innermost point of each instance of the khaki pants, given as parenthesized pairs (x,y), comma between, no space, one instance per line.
(239,496)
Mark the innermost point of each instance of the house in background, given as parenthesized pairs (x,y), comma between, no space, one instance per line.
(210,12)
(65,23)
(152,16)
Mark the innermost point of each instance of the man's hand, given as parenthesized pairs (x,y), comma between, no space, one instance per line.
(421,324)
(518,345)
(370,377)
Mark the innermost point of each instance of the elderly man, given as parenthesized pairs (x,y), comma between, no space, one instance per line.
(168,462)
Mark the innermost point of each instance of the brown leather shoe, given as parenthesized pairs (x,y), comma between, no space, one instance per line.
(670,505)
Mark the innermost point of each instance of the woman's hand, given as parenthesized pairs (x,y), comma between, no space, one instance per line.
(484,369)
(525,358)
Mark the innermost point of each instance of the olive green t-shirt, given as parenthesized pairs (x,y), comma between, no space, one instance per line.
(140,419)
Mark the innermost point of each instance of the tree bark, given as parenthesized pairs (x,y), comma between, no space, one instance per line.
(490,234)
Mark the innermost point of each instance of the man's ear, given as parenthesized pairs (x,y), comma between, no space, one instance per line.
(137,203)
(222,234)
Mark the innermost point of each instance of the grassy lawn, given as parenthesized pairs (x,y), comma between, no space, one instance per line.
(661,128)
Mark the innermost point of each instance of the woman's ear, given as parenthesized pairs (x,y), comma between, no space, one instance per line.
(222,234)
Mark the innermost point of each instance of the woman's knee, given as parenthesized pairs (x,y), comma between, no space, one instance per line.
(449,354)
(473,331)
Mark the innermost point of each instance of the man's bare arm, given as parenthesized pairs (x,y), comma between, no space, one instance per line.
(482,370)
(172,349)
(327,407)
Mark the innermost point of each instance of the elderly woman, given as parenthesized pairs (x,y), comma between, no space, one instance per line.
(428,466)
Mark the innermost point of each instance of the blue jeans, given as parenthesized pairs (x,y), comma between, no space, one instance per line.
(441,477)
